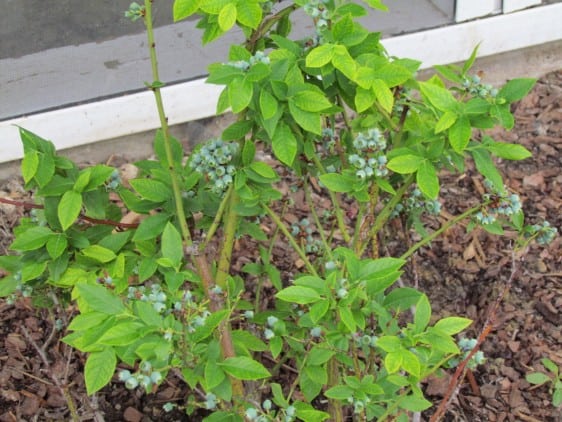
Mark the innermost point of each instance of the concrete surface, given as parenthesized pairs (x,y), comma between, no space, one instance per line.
(530,62)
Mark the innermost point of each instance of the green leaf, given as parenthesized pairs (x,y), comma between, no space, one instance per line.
(214,374)
(393,362)
(405,164)
(240,92)
(339,392)
(508,151)
(244,368)
(311,101)
(268,104)
(99,369)
(414,403)
(308,120)
(31,239)
(485,165)
(99,253)
(427,179)
(152,190)
(310,382)
(537,378)
(383,94)
(172,246)
(440,98)
(298,294)
(151,227)
(227,17)
(410,362)
(459,134)
(238,130)
(445,121)
(423,314)
(346,316)
(122,334)
(249,13)
(342,60)
(184,8)
(99,299)
(377,4)
(284,144)
(69,208)
(452,325)
(29,165)
(320,55)
(550,365)
(263,169)
(338,182)
(319,356)
(389,343)
(364,98)
(516,89)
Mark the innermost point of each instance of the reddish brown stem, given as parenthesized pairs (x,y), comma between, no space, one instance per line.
(462,368)
(30,205)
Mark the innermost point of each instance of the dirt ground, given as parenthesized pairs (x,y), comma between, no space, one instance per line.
(462,273)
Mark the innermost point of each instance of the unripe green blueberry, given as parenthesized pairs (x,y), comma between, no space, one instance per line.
(131,383)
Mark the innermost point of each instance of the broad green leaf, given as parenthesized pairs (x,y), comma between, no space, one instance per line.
(172,246)
(452,325)
(427,180)
(99,368)
(310,382)
(311,101)
(227,17)
(147,313)
(339,392)
(410,362)
(284,144)
(550,365)
(459,134)
(337,182)
(249,13)
(393,361)
(184,8)
(31,239)
(414,403)
(537,378)
(319,355)
(485,165)
(405,164)
(440,98)
(86,321)
(383,94)
(423,314)
(240,92)
(152,190)
(29,165)
(99,253)
(445,121)
(318,310)
(342,60)
(346,316)
(308,120)
(69,208)
(100,299)
(392,74)
(298,294)
(238,130)
(32,270)
(268,105)
(214,375)
(82,181)
(364,98)
(389,343)
(320,55)
(151,227)
(508,151)
(516,89)
(263,169)
(122,334)
(377,4)
(244,368)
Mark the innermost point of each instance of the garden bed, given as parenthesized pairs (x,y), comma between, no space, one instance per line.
(462,274)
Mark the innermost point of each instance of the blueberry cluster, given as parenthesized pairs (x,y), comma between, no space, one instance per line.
(303,230)
(114,180)
(210,401)
(546,233)
(358,405)
(503,204)
(155,296)
(474,86)
(213,160)
(365,340)
(245,65)
(145,377)
(317,10)
(416,201)
(269,332)
(466,345)
(369,159)
(253,414)
(328,139)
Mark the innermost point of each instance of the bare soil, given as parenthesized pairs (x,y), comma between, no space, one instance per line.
(463,273)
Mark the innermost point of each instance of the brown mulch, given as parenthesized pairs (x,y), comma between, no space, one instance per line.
(463,273)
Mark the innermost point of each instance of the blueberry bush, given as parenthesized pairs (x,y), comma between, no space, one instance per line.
(335,111)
